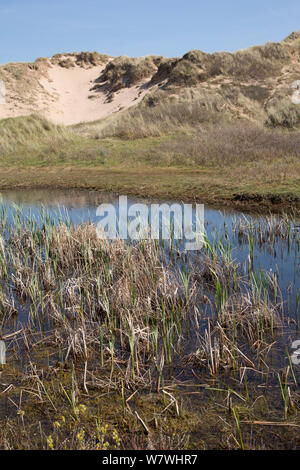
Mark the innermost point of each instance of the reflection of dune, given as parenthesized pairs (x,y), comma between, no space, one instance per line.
(70,198)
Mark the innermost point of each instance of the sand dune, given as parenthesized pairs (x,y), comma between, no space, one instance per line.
(257,83)
(73,100)
(65,96)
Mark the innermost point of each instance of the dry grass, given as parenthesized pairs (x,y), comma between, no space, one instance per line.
(196,66)
(168,116)
(81,59)
(281,112)
(233,145)
(125,72)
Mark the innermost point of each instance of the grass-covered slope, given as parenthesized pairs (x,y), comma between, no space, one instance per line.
(243,164)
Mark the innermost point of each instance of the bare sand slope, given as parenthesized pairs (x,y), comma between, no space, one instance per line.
(66,96)
(74,101)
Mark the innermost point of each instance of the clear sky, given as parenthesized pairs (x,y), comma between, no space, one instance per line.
(35,28)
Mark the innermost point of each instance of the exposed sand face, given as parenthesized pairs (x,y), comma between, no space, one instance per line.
(75,102)
(69,90)
(65,97)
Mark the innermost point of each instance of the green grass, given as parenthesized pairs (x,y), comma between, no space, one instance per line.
(220,163)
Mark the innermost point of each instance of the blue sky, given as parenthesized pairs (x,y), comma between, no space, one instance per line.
(34,28)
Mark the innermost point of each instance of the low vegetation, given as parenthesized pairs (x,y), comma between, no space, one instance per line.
(197,66)
(238,163)
(125,72)
(28,133)
(81,59)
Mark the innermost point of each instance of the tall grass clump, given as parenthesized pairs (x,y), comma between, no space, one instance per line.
(124,71)
(29,132)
